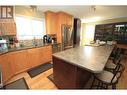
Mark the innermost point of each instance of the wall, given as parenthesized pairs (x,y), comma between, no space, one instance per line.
(26,11)
(84,34)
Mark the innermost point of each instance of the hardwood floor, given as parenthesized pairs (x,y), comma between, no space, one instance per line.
(42,82)
(123,80)
(39,82)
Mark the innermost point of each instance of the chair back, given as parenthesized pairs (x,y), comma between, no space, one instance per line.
(118,56)
(118,72)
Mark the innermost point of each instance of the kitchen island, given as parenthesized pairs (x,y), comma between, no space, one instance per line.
(72,68)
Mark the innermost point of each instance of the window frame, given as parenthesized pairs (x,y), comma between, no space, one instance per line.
(32,19)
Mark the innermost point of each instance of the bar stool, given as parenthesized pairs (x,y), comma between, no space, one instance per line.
(112,64)
(114,52)
(107,78)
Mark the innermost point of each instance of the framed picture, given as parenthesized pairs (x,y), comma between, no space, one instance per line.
(6,12)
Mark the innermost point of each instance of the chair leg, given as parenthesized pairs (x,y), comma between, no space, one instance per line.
(98,86)
(106,87)
(92,83)
(114,86)
(101,86)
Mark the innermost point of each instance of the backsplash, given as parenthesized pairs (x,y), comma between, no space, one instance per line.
(30,42)
(21,42)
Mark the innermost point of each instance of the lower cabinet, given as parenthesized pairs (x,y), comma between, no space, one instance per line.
(38,56)
(18,61)
(7,68)
(45,54)
(34,57)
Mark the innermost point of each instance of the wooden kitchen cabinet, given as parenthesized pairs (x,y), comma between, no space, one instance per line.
(45,54)
(54,21)
(8,27)
(69,20)
(7,70)
(38,56)
(16,62)
(19,61)
(63,19)
(50,20)
(33,57)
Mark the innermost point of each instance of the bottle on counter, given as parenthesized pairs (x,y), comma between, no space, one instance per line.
(16,42)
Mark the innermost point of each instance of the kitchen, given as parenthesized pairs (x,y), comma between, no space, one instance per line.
(27,54)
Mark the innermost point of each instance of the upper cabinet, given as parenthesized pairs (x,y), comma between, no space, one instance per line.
(7,27)
(69,20)
(63,19)
(50,20)
(54,21)
(7,23)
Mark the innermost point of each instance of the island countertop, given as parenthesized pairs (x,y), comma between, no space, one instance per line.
(89,58)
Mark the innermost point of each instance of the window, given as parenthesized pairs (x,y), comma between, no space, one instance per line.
(28,28)
(89,33)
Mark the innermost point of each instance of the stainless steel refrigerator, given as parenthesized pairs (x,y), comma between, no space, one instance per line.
(67,37)
(71,35)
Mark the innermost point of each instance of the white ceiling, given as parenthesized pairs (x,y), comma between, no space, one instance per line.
(87,13)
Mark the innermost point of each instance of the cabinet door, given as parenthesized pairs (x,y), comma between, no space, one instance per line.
(69,20)
(50,19)
(19,61)
(7,70)
(34,57)
(8,28)
(45,54)
(38,56)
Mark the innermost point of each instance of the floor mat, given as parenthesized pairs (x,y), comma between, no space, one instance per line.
(18,84)
(39,69)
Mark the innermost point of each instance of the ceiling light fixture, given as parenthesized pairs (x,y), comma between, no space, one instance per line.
(93,8)
(33,8)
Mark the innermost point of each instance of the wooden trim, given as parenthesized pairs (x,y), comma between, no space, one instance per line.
(11,8)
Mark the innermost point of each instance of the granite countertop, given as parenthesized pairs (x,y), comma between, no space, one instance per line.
(22,48)
(90,58)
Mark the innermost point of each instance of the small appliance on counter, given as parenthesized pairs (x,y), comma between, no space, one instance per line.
(49,38)
(3,45)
